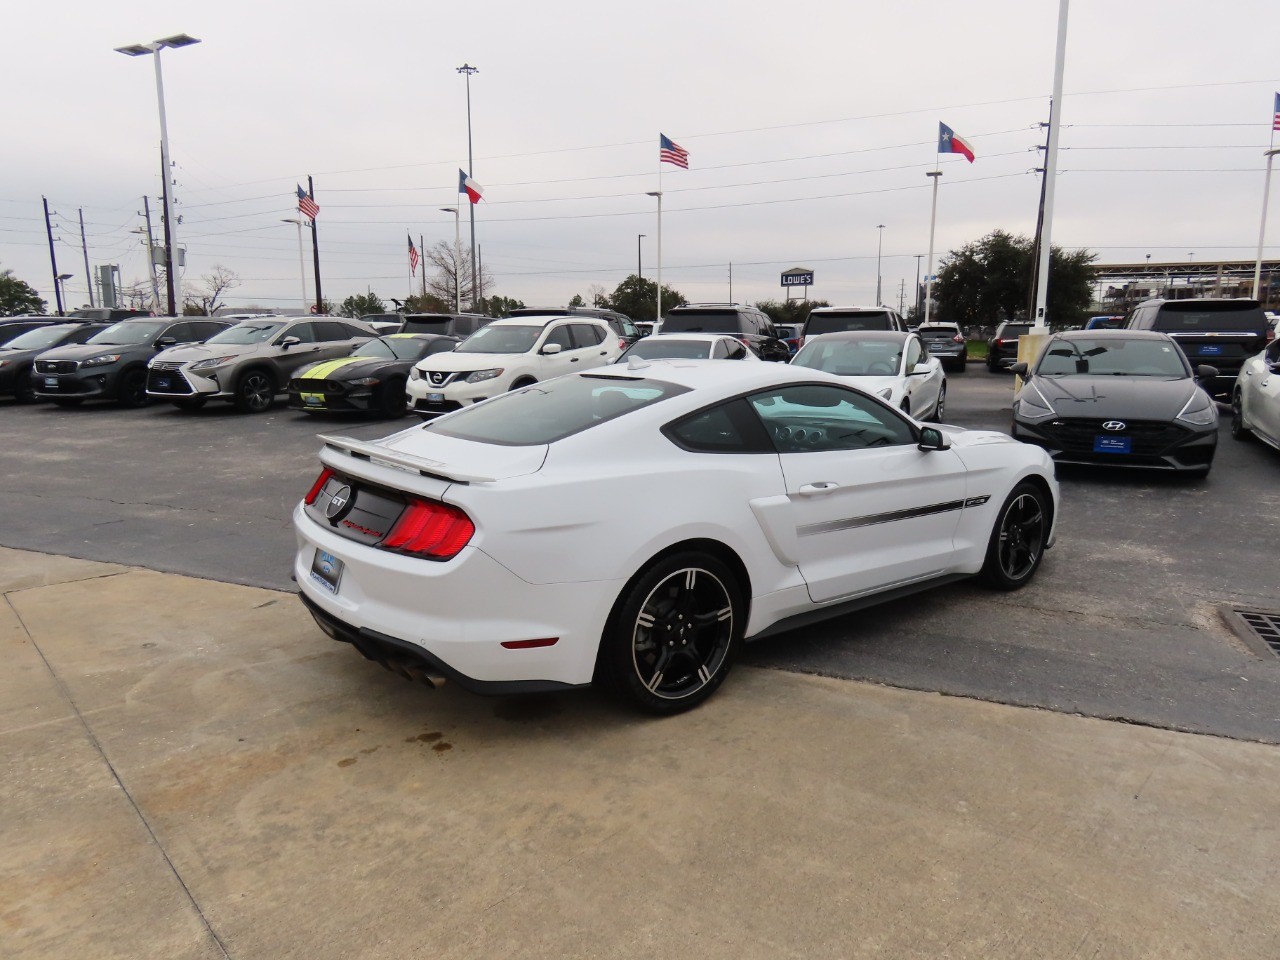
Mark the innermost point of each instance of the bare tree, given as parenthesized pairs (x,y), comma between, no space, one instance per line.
(441,256)
(599,295)
(207,296)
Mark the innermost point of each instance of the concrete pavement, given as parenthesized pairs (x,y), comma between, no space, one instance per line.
(193,771)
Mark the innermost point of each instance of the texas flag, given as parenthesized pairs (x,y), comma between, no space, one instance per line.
(468,186)
(951,142)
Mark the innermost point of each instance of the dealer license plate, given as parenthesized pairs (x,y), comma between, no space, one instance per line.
(1112,444)
(313,399)
(937,347)
(435,398)
(162,383)
(1211,351)
(326,571)
(51,381)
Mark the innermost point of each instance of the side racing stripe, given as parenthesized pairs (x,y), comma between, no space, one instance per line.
(851,523)
(325,367)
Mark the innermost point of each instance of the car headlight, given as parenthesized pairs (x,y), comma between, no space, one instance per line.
(101,360)
(1031,405)
(415,373)
(210,363)
(365,382)
(1199,411)
(479,376)
(885,394)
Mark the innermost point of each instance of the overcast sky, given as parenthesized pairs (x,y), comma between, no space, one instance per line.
(806,127)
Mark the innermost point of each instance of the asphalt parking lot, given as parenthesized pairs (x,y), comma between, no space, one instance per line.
(1122,621)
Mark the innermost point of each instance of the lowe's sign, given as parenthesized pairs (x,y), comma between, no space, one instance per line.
(797,277)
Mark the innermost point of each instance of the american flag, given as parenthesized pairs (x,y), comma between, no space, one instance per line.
(306,206)
(671,152)
(1275,119)
(413,257)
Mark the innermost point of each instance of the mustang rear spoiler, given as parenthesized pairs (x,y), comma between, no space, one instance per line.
(363,450)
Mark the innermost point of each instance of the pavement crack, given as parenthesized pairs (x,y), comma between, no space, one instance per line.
(65,692)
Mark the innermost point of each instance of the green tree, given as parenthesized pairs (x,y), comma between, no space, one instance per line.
(17,297)
(427,303)
(497,306)
(328,308)
(360,304)
(989,280)
(577,301)
(637,298)
(790,311)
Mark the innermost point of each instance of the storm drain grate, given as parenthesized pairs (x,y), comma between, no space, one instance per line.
(1259,629)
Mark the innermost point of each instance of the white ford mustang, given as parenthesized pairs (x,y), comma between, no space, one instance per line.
(632,525)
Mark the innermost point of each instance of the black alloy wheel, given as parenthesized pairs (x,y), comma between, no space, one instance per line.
(1018,538)
(674,634)
(393,401)
(940,408)
(255,393)
(132,392)
(1238,430)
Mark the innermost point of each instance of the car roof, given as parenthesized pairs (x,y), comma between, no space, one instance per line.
(539,320)
(878,335)
(699,337)
(841,309)
(1099,333)
(712,373)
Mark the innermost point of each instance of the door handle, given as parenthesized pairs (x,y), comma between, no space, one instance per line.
(817,489)
(574,360)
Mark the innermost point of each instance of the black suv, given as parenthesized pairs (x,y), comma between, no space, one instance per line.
(628,333)
(751,325)
(1219,333)
(112,364)
(461,325)
(1002,348)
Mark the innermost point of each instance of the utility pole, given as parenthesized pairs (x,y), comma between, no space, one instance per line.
(151,256)
(468,70)
(315,248)
(919,257)
(169,258)
(1039,318)
(902,296)
(1035,250)
(84,246)
(478,278)
(731,281)
(53,257)
(422,262)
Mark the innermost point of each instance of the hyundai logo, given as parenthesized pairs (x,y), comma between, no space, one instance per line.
(338,502)
(1114,425)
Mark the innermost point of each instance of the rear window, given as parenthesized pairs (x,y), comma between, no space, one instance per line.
(426,325)
(550,411)
(1015,330)
(835,322)
(1221,317)
(703,321)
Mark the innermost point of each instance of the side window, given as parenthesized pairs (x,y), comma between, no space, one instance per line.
(727,428)
(305,332)
(179,333)
(820,418)
(719,351)
(735,350)
(586,334)
(329,330)
(208,328)
(913,354)
(560,335)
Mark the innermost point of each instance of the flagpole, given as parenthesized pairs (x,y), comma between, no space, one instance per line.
(315,247)
(657,317)
(933,222)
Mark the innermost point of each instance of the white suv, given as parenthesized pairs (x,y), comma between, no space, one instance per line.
(506,354)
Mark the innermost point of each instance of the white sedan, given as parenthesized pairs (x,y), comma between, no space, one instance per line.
(632,525)
(688,346)
(1255,400)
(894,366)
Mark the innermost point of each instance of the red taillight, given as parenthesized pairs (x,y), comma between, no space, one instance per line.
(1268,335)
(316,487)
(428,529)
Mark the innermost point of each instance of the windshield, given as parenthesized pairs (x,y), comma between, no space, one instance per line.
(501,338)
(246,332)
(550,411)
(852,358)
(128,332)
(659,348)
(39,337)
(1112,358)
(834,322)
(702,321)
(1225,316)
(395,347)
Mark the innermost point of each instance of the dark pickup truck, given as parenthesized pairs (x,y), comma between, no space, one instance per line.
(1219,333)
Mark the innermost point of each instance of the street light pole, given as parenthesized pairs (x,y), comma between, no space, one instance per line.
(879,247)
(468,70)
(141,50)
(639,262)
(457,257)
(302,268)
(657,317)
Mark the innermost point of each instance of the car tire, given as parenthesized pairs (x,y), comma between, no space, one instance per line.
(521,382)
(1238,430)
(132,389)
(959,365)
(393,401)
(940,408)
(67,401)
(255,392)
(1017,539)
(22,388)
(686,614)
(190,403)
(992,366)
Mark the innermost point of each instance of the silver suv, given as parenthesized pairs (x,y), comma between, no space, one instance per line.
(250,363)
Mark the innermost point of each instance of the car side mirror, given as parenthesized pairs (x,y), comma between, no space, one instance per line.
(1206,372)
(931,438)
(166,342)
(288,342)
(921,368)
(1021,369)
(549,349)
